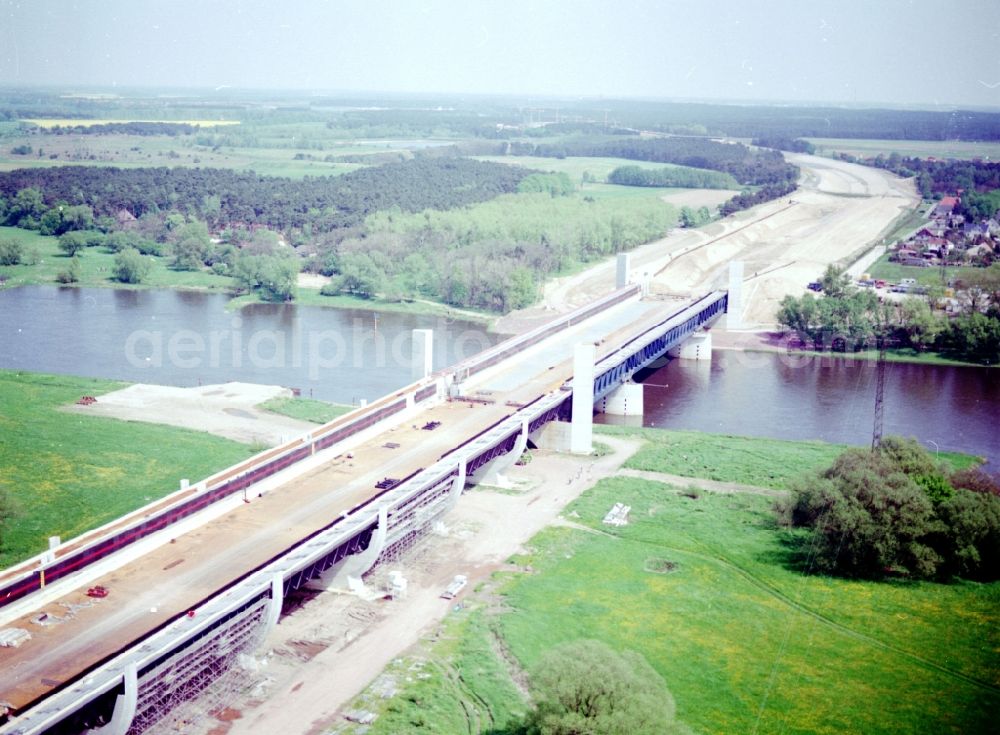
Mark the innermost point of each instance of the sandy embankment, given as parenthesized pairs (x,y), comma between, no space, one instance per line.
(838,209)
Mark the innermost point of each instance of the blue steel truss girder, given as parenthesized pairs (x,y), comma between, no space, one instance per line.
(636,354)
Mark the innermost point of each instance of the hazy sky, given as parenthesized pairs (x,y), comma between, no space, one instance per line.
(924,52)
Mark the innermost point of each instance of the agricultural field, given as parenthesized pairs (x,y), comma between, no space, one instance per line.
(705,587)
(909,148)
(63,473)
(165,150)
(575,166)
(50,122)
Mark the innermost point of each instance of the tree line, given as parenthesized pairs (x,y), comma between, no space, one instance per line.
(746,165)
(125,128)
(684,178)
(225,197)
(935,177)
(845,318)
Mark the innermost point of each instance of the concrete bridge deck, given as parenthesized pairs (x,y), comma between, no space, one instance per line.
(149,591)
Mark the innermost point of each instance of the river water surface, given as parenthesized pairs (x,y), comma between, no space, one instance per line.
(344,355)
(832,399)
(188,338)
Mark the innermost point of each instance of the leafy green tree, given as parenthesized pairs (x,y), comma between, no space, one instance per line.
(131,266)
(360,275)
(521,289)
(72,243)
(835,281)
(191,244)
(586,687)
(11,251)
(971,544)
(63,218)
(975,337)
(26,209)
(273,277)
(897,511)
(867,516)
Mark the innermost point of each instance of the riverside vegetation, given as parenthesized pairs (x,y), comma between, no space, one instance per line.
(63,473)
(713,592)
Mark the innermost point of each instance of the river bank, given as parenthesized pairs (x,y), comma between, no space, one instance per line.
(787,343)
(96,265)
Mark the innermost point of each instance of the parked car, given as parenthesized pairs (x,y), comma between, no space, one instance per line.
(815,286)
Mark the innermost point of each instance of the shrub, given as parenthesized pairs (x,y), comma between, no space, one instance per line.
(894,511)
(131,266)
(11,251)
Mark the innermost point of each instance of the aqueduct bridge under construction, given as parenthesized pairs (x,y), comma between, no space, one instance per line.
(201,575)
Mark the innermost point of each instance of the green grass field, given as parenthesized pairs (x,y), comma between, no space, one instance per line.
(747,460)
(894,272)
(306,409)
(745,641)
(67,473)
(96,267)
(912,148)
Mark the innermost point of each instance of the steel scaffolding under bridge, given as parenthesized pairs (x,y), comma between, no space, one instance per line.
(130,690)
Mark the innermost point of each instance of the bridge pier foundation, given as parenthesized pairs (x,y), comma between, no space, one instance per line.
(581,435)
(734,309)
(622,270)
(348,573)
(625,400)
(458,486)
(696,347)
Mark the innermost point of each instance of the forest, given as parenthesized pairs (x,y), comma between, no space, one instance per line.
(935,177)
(225,197)
(746,165)
(684,178)
(361,116)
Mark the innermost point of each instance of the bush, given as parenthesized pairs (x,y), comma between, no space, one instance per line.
(11,251)
(586,687)
(131,266)
(72,273)
(894,511)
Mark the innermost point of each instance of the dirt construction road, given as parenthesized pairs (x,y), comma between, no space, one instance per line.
(838,209)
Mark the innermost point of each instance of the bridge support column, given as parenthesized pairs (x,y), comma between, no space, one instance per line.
(696,347)
(274,605)
(125,704)
(734,310)
(581,440)
(348,573)
(458,486)
(493,472)
(625,400)
(422,358)
(622,271)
